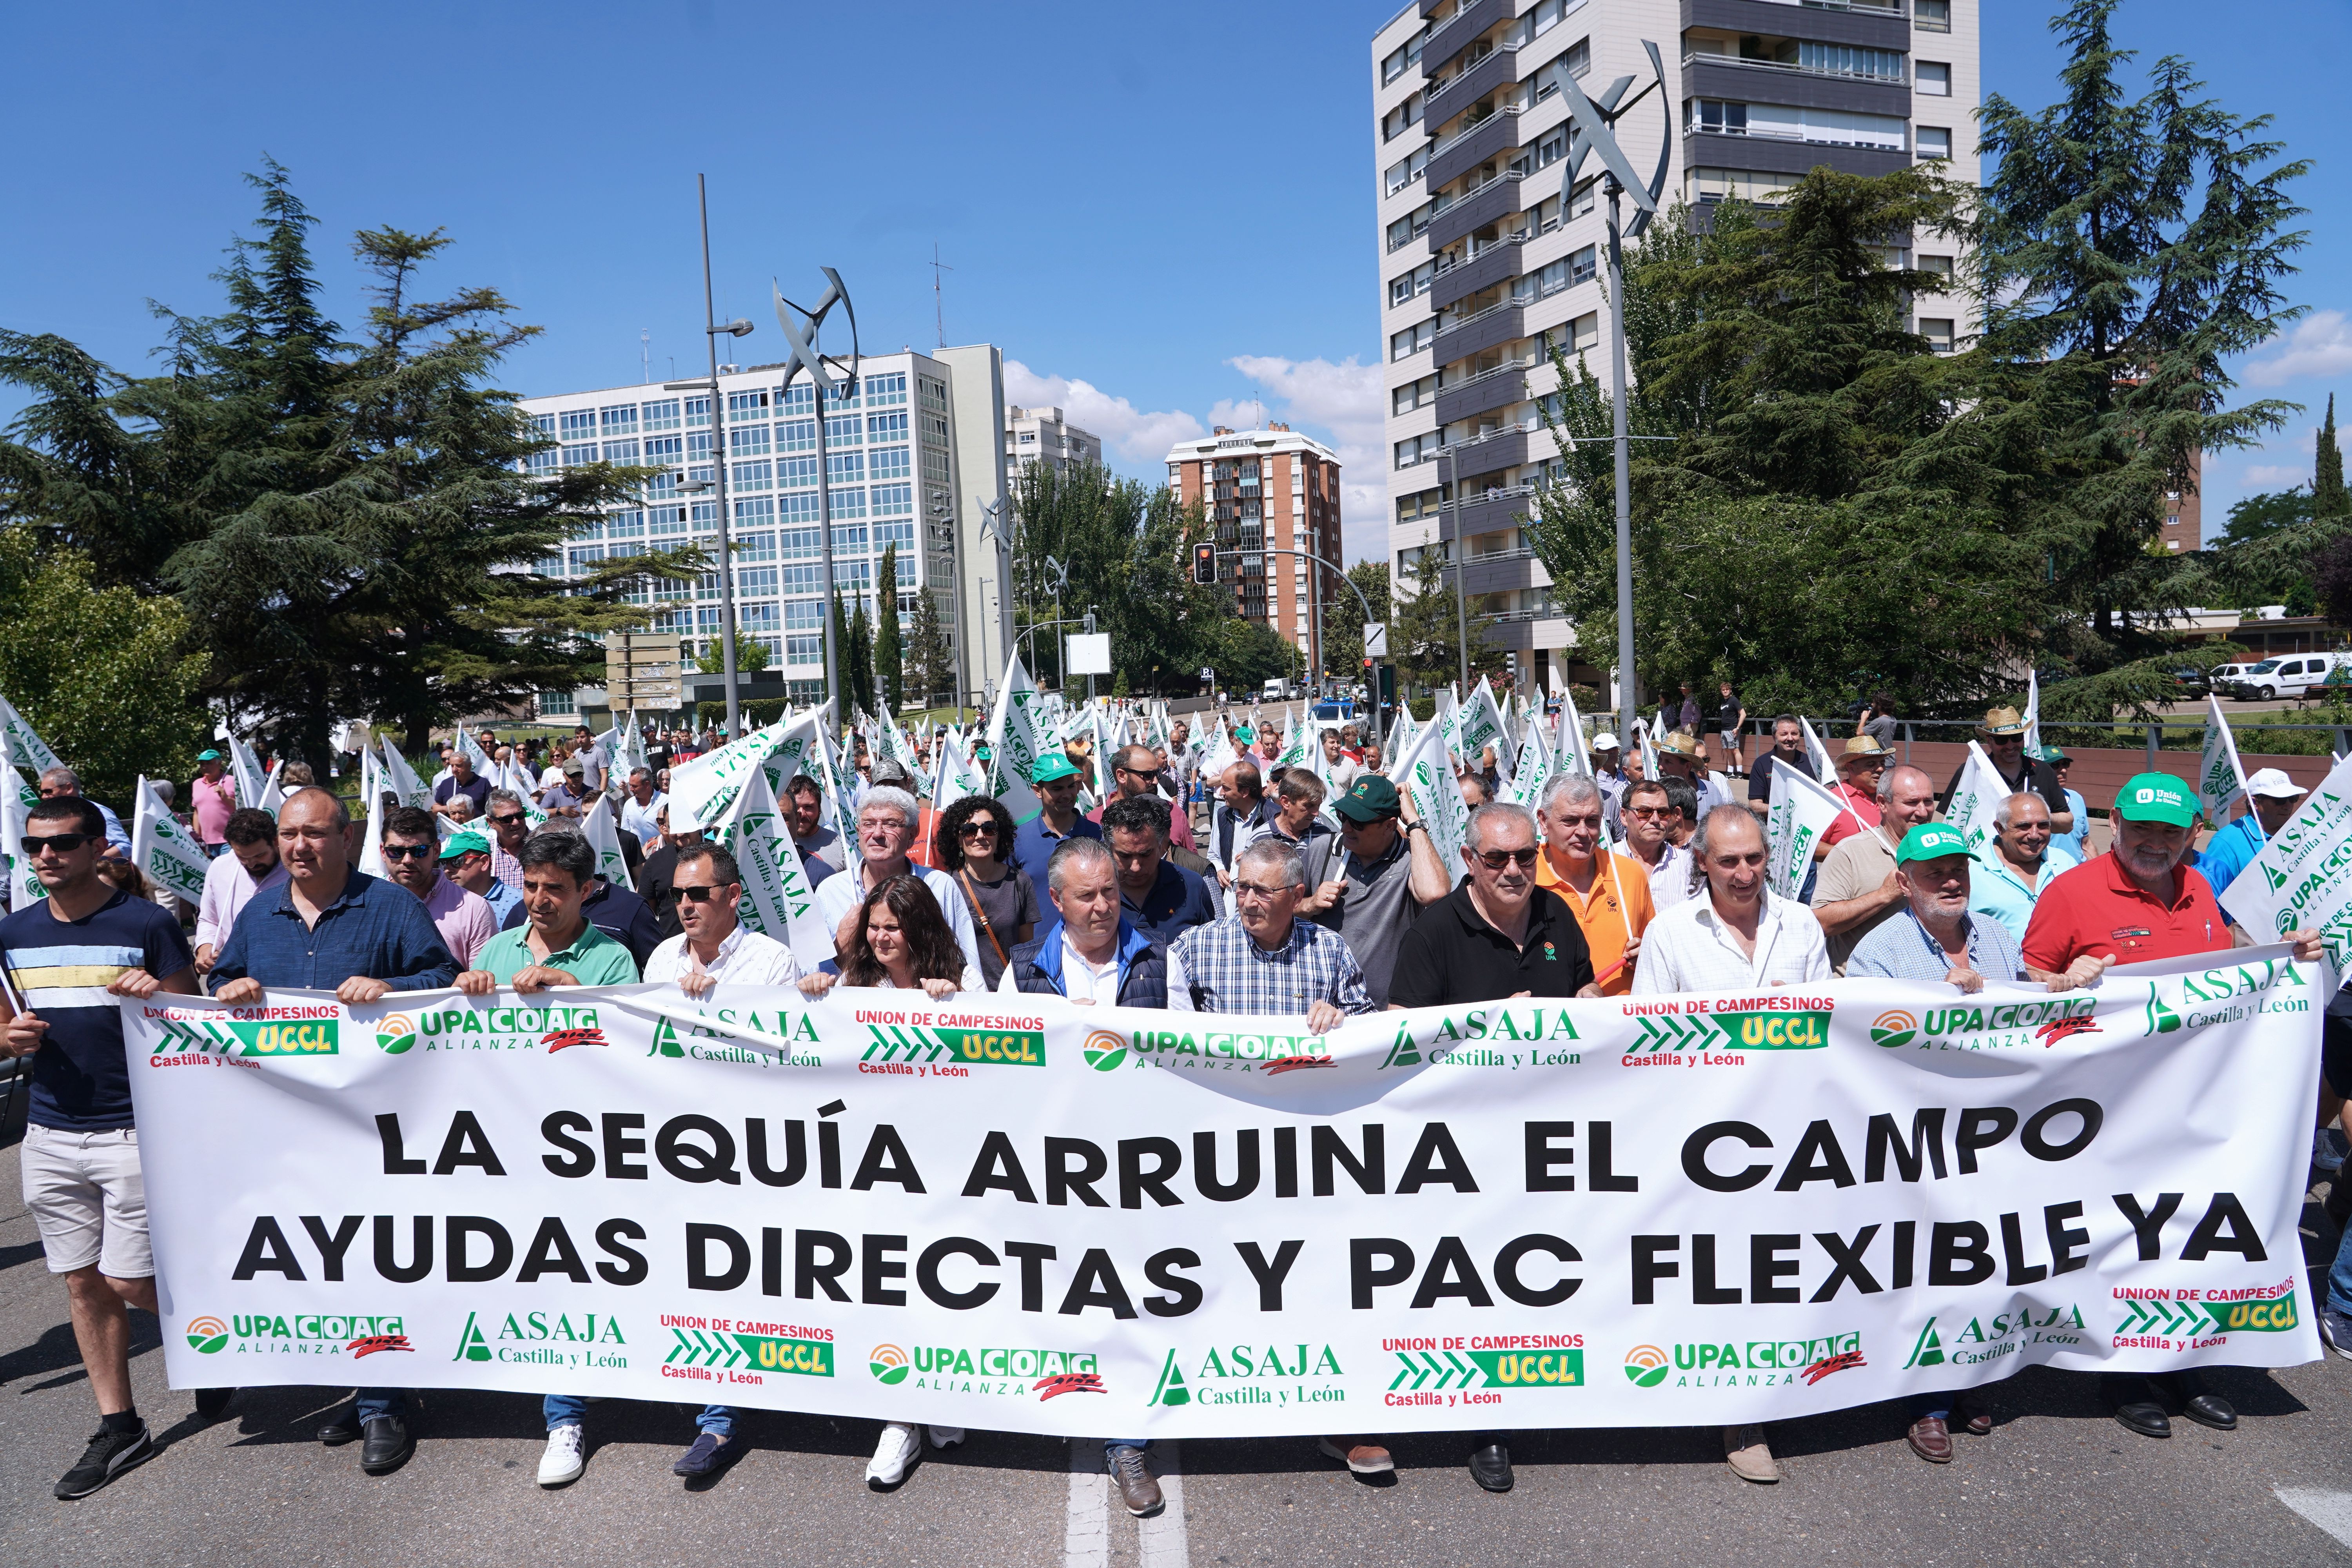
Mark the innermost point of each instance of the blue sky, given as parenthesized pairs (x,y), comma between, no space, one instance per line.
(1164,215)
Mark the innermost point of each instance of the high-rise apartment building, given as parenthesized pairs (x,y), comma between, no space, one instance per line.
(913,452)
(1042,435)
(1487,264)
(1267,492)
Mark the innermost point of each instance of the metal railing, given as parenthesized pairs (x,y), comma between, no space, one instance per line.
(1702,57)
(1447,204)
(1470,130)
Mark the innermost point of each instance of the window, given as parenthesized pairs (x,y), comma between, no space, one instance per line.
(584,558)
(1941,265)
(800,508)
(697,412)
(580,425)
(542,424)
(555,702)
(804,649)
(754,583)
(664,451)
(697,446)
(1413,340)
(1419,448)
(796,473)
(1935,142)
(935,430)
(666,519)
(1714,116)
(620,420)
(745,439)
(798,398)
(934,392)
(1937,331)
(1405,58)
(1401,119)
(625,525)
(894,500)
(900,534)
(1935,79)
(843,430)
(1846,59)
(1401,289)
(755,512)
(796,435)
(756,617)
(1405,171)
(746,406)
(1704,186)
(1932,16)
(844,467)
(935,467)
(752,476)
(1404,230)
(883,427)
(705,516)
(620,451)
(889,463)
(846,503)
(660,415)
(799,544)
(883,390)
(546,462)
(574,456)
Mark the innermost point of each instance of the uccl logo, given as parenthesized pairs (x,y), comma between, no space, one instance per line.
(1104,1050)
(888,1363)
(1893,1028)
(208,1335)
(395,1034)
(1647,1365)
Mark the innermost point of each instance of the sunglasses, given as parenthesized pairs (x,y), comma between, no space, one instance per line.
(977,830)
(63,843)
(695,895)
(1652,813)
(1495,859)
(509,820)
(409,851)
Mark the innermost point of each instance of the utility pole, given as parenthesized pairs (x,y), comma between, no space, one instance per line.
(710,335)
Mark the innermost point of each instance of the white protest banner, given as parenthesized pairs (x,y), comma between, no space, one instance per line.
(402,780)
(1013,1213)
(21,744)
(1800,816)
(1977,796)
(1426,775)
(1816,754)
(2220,778)
(777,899)
(2301,879)
(23,889)
(162,849)
(1015,744)
(700,791)
(895,747)
(471,750)
(243,766)
(604,836)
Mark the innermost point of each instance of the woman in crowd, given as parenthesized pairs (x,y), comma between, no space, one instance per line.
(974,845)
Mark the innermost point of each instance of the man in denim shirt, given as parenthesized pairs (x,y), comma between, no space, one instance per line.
(330,927)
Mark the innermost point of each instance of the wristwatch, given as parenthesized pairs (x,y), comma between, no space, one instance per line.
(1416,823)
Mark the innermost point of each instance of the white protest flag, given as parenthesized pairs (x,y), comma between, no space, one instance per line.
(1648,744)
(1217,757)
(896,747)
(162,849)
(372,788)
(777,901)
(701,790)
(840,784)
(1523,783)
(1574,751)
(1824,767)
(1801,814)
(603,836)
(1977,796)
(272,797)
(471,750)
(243,765)
(955,776)
(2221,779)
(22,745)
(2033,715)
(402,780)
(1403,729)
(1014,743)
(2301,878)
(16,801)
(1426,775)
(1447,715)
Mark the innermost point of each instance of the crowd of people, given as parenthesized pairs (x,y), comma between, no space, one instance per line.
(1313,894)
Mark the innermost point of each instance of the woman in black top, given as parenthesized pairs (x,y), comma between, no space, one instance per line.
(973,844)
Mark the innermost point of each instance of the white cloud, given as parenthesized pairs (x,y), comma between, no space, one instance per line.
(1137,436)
(2321,345)
(1341,402)
(2270,475)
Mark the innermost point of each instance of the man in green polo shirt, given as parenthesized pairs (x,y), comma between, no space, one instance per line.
(556,944)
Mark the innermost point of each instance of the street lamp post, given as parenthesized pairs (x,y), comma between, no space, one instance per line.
(712,332)
(1461,557)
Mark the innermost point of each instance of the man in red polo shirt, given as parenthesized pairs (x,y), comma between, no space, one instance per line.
(2134,903)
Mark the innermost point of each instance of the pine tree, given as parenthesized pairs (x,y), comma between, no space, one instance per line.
(844,694)
(931,666)
(2328,495)
(1424,632)
(889,660)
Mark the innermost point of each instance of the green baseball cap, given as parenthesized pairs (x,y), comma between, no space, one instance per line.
(1369,799)
(208,756)
(1931,841)
(1051,767)
(1244,733)
(2156,797)
(458,843)
(2052,754)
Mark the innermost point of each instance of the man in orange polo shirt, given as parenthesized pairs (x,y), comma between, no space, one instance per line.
(2134,903)
(1608,892)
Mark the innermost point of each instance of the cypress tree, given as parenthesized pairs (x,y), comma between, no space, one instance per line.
(2327,497)
(889,658)
(857,659)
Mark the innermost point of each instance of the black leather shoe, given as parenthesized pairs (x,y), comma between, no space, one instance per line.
(341,1427)
(388,1444)
(211,1402)
(2134,1404)
(2199,1403)
(1490,1466)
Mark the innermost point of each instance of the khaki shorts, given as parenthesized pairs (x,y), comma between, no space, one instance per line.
(89,1200)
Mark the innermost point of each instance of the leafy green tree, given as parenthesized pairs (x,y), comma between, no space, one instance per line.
(890,658)
(105,675)
(930,663)
(1425,631)
(1343,628)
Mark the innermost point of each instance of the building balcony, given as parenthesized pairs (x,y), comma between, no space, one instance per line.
(1503,572)
(1466,87)
(1495,324)
(1482,393)
(1483,266)
(1777,155)
(1459,31)
(1496,136)
(1463,461)
(1875,27)
(1472,209)
(1769,81)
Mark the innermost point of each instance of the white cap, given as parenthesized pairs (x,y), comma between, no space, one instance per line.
(1604,741)
(2273,782)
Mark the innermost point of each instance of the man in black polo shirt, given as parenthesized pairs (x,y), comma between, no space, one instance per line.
(1496,935)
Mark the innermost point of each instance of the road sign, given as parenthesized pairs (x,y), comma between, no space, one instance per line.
(1090,653)
(1376,639)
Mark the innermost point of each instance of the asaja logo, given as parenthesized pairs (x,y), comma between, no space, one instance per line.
(542,1338)
(1647,1365)
(888,1363)
(1988,1336)
(1893,1028)
(209,1335)
(396,1035)
(1271,1375)
(1104,1050)
(2161,1019)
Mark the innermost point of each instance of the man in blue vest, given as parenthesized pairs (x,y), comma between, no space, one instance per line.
(1090,954)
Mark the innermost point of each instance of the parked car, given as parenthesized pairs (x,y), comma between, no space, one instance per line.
(2296,675)
(2190,684)
(1343,711)
(2221,675)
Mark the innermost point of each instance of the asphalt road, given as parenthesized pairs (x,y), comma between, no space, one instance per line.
(2057,1481)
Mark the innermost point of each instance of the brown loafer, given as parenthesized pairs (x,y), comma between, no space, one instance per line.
(1931,1440)
(1360,1455)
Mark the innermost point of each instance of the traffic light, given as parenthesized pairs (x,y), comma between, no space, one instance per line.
(1204,563)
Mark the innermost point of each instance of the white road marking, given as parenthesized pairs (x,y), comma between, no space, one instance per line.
(1085,1530)
(1164,1546)
(2331,1511)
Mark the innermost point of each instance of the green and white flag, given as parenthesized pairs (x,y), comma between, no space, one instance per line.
(1426,773)
(1977,796)
(2220,778)
(1573,752)
(1530,771)
(372,792)
(251,783)
(1801,816)
(471,750)
(840,788)
(895,747)
(1402,733)
(778,901)
(700,791)
(1824,769)
(603,836)
(402,780)
(1014,743)
(272,797)
(955,778)
(17,799)
(632,748)
(22,745)
(161,847)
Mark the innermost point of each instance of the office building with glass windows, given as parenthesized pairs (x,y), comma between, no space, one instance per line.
(905,465)
(1487,264)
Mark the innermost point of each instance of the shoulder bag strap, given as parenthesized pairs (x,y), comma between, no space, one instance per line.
(981,915)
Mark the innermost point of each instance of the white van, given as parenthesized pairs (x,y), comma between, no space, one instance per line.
(1277,690)
(2292,675)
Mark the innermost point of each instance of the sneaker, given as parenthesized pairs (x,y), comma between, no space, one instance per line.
(1138,1489)
(108,1455)
(1361,1455)
(2335,1328)
(565,1458)
(900,1446)
(945,1436)
(1748,1455)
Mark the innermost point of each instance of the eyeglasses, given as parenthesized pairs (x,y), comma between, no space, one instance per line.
(1495,859)
(695,895)
(409,851)
(977,830)
(1253,891)
(63,843)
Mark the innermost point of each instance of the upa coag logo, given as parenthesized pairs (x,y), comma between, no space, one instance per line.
(1005,1372)
(1749,1364)
(888,1363)
(1104,1050)
(1966,1025)
(353,1334)
(396,1035)
(1647,1365)
(1893,1028)
(209,1335)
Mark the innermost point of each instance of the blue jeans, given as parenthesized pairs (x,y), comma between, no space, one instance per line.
(375,1402)
(571,1410)
(214,852)
(2339,1277)
(1110,1443)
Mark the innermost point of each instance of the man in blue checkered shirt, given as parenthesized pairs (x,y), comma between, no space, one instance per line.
(1260,960)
